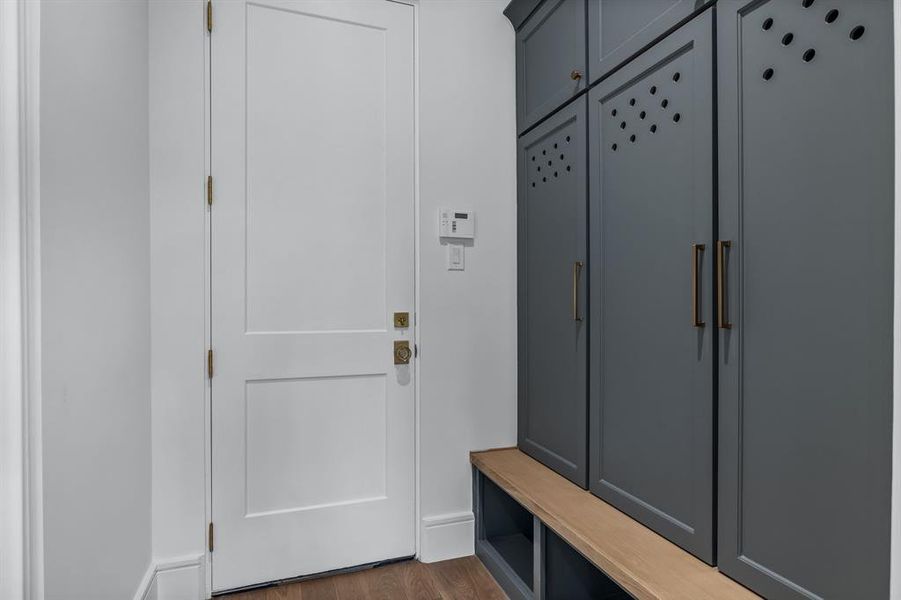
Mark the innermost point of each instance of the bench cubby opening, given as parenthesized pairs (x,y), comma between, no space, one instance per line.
(505,537)
(567,575)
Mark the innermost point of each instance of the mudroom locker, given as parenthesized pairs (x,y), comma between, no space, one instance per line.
(705,271)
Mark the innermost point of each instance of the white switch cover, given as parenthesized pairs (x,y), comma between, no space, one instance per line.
(455,257)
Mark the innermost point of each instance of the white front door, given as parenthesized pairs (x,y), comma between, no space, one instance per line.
(312,253)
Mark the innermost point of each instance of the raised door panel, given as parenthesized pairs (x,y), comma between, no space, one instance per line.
(550,59)
(805,371)
(620,29)
(651,383)
(552,227)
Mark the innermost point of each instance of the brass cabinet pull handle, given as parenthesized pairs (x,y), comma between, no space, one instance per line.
(696,250)
(577,275)
(575,75)
(722,321)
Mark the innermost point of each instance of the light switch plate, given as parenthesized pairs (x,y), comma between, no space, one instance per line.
(455,257)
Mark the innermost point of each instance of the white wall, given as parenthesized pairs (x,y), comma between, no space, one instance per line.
(95,298)
(467,319)
(177,213)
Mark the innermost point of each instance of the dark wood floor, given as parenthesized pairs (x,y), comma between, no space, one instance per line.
(458,579)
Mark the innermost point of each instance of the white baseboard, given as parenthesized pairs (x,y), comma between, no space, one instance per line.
(176,579)
(145,589)
(447,536)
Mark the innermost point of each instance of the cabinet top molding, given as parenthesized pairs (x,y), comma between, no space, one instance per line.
(519,10)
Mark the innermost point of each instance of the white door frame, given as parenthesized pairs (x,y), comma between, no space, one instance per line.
(207,434)
(21,490)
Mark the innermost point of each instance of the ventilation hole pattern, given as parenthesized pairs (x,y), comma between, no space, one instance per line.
(643,112)
(549,161)
(829,17)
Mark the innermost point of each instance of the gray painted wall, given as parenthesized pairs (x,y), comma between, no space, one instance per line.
(95,298)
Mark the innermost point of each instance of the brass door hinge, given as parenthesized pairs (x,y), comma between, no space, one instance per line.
(210,537)
(209,363)
(209,190)
(209,16)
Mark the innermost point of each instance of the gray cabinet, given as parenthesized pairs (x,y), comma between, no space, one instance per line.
(805,370)
(550,59)
(651,239)
(552,279)
(620,29)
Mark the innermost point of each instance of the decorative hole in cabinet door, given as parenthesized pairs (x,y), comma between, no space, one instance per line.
(551,155)
(823,31)
(645,105)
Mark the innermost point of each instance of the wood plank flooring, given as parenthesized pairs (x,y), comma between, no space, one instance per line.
(458,579)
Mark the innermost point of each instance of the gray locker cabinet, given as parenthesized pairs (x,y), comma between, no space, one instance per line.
(553,336)
(651,365)
(805,371)
(550,59)
(621,29)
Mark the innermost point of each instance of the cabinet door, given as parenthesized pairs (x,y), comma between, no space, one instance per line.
(550,59)
(620,29)
(651,182)
(552,277)
(805,371)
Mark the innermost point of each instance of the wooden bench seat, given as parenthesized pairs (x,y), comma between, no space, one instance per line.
(640,561)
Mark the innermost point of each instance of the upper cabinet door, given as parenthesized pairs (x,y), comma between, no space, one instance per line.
(552,277)
(550,59)
(620,29)
(805,371)
(651,349)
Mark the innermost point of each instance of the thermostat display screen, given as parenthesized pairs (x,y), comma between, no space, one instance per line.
(456,223)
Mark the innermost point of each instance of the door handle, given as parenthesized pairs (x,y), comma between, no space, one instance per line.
(696,250)
(402,352)
(721,285)
(577,276)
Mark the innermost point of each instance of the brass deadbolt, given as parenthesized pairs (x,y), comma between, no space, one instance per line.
(402,352)
(402,320)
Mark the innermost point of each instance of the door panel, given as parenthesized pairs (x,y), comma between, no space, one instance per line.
(806,370)
(620,29)
(651,170)
(312,251)
(549,48)
(552,326)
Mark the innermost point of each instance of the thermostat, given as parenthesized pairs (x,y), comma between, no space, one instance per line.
(456,223)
